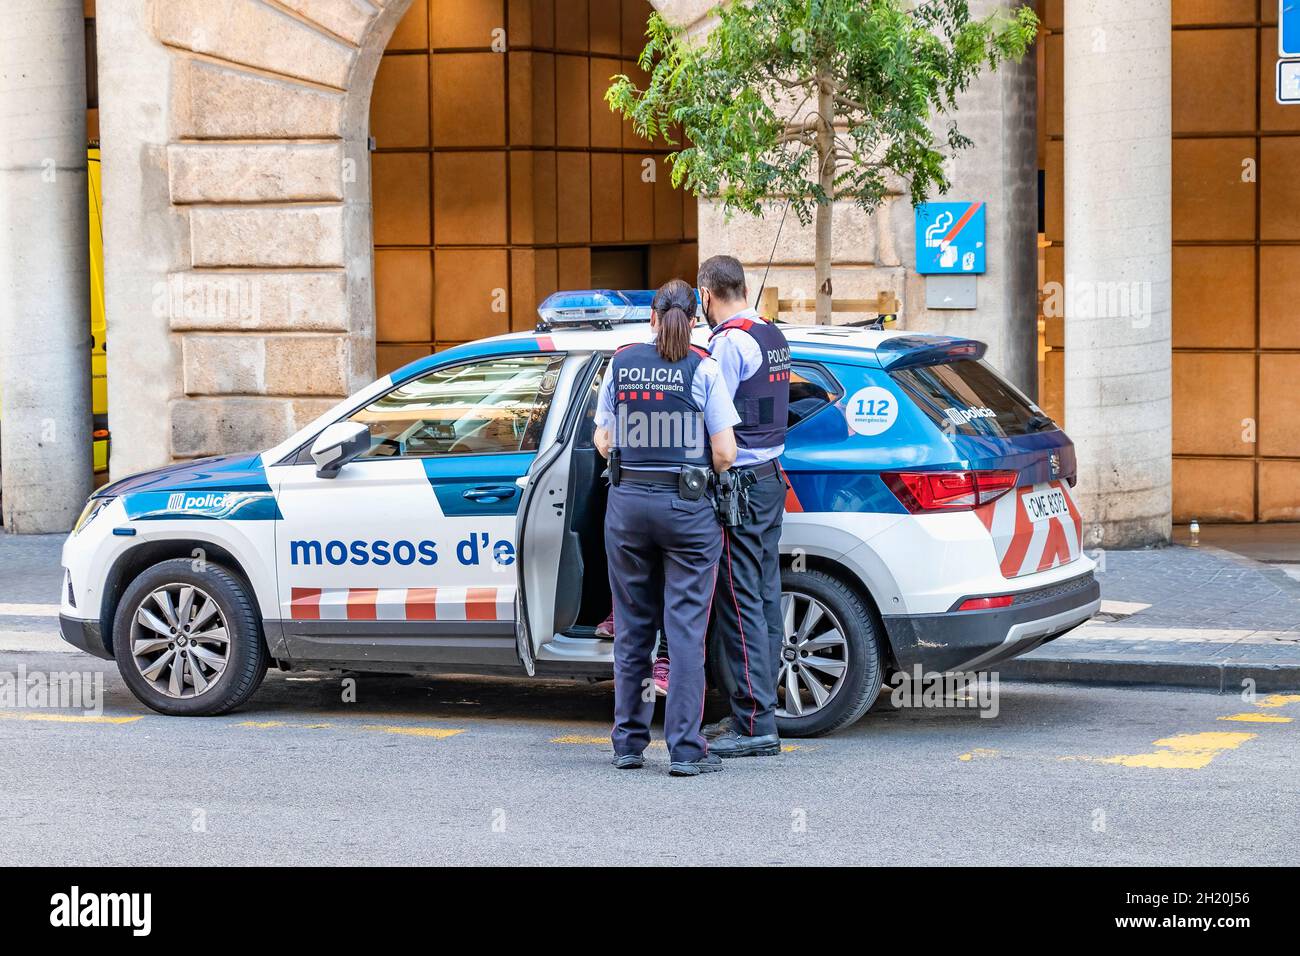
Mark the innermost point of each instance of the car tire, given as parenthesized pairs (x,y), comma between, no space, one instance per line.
(204,690)
(862,654)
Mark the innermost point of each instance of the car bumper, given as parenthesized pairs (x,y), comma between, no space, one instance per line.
(84,635)
(979,640)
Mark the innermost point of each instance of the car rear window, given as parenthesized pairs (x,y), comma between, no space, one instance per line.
(967,397)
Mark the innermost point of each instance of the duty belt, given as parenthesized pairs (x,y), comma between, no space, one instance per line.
(761,470)
(649,477)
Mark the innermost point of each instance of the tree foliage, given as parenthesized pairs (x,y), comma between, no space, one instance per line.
(816,99)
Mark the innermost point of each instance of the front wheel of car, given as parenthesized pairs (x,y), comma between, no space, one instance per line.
(188,639)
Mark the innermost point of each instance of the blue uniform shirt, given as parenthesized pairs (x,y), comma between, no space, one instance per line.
(739,357)
(707,389)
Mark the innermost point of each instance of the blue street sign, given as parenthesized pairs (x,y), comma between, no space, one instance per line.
(1288,28)
(950,237)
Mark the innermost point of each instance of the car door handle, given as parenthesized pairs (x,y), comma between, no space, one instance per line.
(489,493)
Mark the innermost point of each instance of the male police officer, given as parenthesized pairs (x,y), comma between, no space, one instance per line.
(754,359)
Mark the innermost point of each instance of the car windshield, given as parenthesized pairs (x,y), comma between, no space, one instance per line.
(493,405)
(967,397)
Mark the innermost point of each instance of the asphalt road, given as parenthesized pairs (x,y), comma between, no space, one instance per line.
(495,771)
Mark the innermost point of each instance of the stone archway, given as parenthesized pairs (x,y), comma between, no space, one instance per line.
(237,220)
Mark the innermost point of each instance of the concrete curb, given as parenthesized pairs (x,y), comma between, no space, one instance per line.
(1222,678)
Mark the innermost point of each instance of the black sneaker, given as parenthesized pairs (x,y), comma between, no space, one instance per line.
(629,762)
(732,744)
(709,763)
(712,731)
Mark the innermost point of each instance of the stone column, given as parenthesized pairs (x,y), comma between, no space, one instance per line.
(1117,266)
(45,442)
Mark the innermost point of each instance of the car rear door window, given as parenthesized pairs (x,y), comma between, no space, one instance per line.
(967,397)
(812,388)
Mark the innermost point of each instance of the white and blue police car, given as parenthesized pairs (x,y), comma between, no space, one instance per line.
(448,518)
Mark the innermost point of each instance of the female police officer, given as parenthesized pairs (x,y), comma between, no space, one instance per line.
(663,419)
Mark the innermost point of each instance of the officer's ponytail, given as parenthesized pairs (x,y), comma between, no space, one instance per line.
(674,304)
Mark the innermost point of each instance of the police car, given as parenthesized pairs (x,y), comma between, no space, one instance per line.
(448,518)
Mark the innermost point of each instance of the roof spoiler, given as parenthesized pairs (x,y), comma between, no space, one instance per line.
(908,351)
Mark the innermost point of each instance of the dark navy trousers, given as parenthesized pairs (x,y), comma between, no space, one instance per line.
(663,561)
(747,608)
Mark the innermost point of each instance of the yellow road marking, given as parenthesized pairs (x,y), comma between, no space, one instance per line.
(436,732)
(1251,717)
(978,752)
(261,724)
(67,718)
(1278,700)
(1184,751)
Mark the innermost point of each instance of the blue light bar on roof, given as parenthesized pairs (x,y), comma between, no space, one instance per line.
(599,308)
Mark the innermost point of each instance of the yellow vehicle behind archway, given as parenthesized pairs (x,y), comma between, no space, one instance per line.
(98,321)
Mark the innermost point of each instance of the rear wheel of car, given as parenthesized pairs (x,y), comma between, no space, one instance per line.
(188,639)
(831,664)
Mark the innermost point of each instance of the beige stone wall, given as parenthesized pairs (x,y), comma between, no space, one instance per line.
(237,217)
(239,249)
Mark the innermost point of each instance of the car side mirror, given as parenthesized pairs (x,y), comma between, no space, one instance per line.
(337,445)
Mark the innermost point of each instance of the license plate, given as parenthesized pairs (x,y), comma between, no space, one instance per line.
(1045,505)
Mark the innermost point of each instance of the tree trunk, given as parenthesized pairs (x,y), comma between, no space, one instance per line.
(826,179)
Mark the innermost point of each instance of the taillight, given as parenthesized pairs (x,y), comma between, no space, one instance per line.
(922,491)
(984,603)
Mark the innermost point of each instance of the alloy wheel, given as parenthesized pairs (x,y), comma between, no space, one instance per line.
(179,640)
(814,656)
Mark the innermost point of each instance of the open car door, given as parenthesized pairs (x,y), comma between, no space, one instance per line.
(549,559)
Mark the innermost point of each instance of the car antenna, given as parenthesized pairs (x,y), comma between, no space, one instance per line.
(763,285)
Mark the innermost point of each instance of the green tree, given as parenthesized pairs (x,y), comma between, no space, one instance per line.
(814,100)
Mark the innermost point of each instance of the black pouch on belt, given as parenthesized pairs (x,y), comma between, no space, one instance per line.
(692,483)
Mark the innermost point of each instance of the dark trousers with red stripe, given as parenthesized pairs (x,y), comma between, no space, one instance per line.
(747,608)
(663,560)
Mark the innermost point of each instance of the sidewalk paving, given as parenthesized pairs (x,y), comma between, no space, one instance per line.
(1192,616)
(1182,616)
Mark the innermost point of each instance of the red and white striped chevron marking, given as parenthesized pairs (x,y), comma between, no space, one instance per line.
(403,604)
(1025,546)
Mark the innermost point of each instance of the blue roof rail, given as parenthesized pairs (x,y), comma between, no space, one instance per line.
(593,309)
